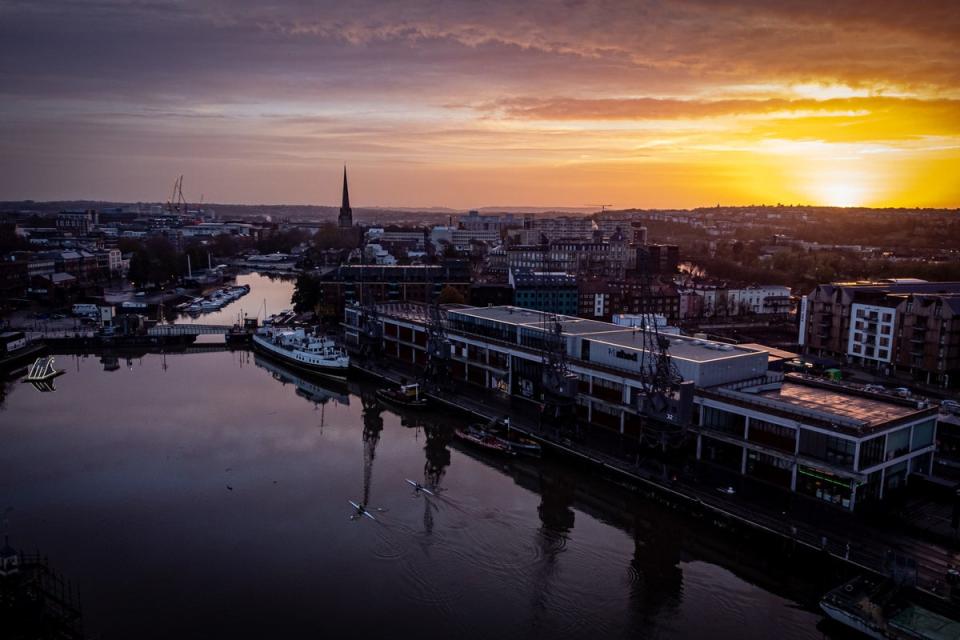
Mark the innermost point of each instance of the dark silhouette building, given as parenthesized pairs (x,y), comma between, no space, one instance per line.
(345,219)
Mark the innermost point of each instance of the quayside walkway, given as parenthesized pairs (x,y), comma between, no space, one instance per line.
(844,536)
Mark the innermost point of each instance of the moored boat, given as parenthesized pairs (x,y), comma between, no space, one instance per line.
(480,437)
(406,395)
(319,354)
(517,442)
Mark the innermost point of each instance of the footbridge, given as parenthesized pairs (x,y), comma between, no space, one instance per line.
(189,329)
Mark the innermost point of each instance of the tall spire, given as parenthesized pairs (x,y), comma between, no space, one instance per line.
(346,213)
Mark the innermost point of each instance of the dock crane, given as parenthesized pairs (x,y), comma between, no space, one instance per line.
(665,401)
(439,349)
(557,383)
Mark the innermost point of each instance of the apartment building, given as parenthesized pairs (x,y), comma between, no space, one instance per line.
(903,325)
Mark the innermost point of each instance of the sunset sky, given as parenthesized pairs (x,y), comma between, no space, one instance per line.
(464,103)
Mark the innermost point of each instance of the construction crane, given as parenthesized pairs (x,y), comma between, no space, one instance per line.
(177,204)
(603,207)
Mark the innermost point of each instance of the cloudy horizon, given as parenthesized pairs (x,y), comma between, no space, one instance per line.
(464,104)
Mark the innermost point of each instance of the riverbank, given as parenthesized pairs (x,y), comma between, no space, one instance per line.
(847,539)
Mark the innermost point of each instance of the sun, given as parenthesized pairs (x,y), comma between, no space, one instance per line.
(842,194)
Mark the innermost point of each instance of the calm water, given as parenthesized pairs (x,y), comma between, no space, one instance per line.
(274,291)
(206,495)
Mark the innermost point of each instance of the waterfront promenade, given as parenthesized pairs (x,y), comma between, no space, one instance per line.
(794,519)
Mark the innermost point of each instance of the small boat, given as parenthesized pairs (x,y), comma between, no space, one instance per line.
(518,443)
(882,610)
(419,487)
(406,395)
(482,438)
(361,510)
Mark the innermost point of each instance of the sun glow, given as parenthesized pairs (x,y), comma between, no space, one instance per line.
(842,194)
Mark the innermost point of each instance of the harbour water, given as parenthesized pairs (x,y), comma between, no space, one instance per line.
(205,495)
(270,292)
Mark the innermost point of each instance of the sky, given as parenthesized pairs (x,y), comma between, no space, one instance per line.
(462,103)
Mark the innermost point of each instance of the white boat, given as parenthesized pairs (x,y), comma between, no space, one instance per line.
(309,352)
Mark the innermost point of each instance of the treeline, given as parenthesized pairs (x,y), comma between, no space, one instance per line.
(157,259)
(803,270)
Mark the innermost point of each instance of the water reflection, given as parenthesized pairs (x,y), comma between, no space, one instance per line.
(315,389)
(269,294)
(372,426)
(117,468)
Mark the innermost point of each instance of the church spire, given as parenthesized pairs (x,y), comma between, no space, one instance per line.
(346,213)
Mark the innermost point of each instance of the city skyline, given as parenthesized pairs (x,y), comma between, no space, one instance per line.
(463,106)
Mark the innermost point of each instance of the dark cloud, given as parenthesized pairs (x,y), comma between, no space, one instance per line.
(293,83)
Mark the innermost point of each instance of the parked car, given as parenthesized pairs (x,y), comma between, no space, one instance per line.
(875,388)
(950,406)
(903,392)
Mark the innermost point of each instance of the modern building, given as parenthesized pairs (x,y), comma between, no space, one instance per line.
(553,292)
(902,325)
(824,441)
(830,443)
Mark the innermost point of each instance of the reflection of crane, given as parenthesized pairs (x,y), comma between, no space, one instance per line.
(372,426)
(437,461)
(603,207)
(557,492)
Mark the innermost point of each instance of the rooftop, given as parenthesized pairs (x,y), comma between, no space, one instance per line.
(865,409)
(681,347)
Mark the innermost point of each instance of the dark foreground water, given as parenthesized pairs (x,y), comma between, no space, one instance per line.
(206,496)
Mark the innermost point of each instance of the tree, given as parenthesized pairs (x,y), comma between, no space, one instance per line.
(306,293)
(450,295)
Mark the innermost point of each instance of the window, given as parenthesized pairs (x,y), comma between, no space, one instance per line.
(772,435)
(725,421)
(922,435)
(898,443)
(871,452)
(830,449)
